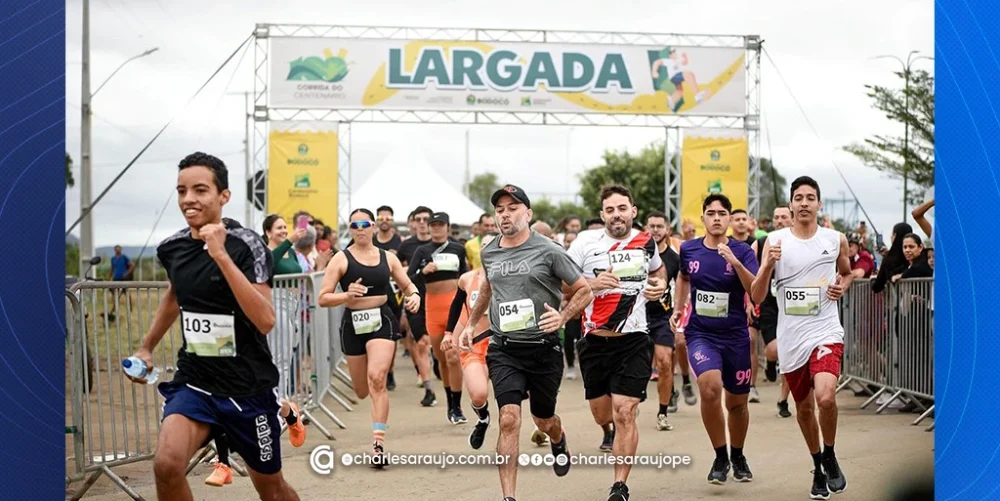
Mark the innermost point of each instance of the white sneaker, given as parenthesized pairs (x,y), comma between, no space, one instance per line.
(754,396)
(539,438)
(570,373)
(662,424)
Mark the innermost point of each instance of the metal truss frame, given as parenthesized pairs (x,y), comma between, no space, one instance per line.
(672,124)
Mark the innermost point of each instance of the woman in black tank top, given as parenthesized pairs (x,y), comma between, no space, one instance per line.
(369,330)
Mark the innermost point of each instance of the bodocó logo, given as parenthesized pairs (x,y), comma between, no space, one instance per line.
(322,460)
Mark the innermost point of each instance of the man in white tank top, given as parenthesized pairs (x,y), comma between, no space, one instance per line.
(812,271)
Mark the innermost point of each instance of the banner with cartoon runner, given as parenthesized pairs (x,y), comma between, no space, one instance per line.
(713,161)
(302,174)
(337,73)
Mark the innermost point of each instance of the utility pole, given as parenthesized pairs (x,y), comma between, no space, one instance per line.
(248,216)
(86,229)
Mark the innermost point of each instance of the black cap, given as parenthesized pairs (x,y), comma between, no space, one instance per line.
(439,217)
(516,193)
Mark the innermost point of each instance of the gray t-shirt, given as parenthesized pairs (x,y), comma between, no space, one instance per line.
(523,280)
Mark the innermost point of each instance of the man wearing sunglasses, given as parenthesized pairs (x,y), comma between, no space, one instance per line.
(415,322)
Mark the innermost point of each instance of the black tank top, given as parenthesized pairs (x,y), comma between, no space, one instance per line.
(376,278)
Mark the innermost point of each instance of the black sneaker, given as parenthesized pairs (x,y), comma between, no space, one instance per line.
(689,397)
(429,399)
(478,435)
(458,417)
(741,470)
(378,456)
(609,441)
(783,409)
(390,382)
(720,471)
(835,478)
(771,371)
(437,369)
(672,408)
(619,492)
(819,489)
(509,499)
(561,450)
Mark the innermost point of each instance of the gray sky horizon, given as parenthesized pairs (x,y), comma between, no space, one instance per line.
(825,70)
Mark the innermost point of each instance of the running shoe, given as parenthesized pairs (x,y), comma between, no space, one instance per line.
(689,397)
(609,441)
(783,409)
(673,401)
(570,373)
(655,376)
(378,456)
(297,431)
(539,438)
(429,399)
(754,396)
(221,475)
(478,435)
(720,471)
(741,470)
(458,417)
(819,488)
(561,450)
(390,382)
(619,492)
(835,478)
(662,423)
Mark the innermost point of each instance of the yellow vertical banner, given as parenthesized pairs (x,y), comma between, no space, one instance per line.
(302,175)
(713,165)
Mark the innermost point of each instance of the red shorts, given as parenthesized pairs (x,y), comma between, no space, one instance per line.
(825,358)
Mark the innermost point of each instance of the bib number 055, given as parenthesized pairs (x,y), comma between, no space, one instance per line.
(802,301)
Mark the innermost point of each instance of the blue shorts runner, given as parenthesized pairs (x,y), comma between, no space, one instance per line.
(731,356)
(251,424)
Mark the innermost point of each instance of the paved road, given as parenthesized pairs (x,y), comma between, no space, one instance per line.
(878,453)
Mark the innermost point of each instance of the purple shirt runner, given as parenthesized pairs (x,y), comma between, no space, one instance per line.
(712,280)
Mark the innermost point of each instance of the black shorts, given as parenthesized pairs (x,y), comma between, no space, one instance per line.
(354,344)
(659,329)
(619,365)
(526,369)
(768,327)
(250,424)
(418,323)
(755,322)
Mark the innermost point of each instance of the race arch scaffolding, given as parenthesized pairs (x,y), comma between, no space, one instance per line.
(342,117)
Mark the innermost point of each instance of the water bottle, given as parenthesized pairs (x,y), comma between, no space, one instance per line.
(136,368)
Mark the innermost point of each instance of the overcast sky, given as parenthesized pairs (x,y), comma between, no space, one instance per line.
(823,49)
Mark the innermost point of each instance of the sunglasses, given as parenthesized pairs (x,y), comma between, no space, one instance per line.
(385,218)
(361,225)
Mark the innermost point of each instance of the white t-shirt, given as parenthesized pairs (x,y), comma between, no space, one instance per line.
(807,318)
(622,309)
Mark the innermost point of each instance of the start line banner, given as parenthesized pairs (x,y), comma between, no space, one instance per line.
(333,73)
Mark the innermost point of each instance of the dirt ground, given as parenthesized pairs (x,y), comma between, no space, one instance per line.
(878,453)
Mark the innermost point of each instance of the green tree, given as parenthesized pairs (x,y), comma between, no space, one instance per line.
(69,171)
(481,188)
(773,188)
(642,174)
(886,153)
(72,260)
(545,210)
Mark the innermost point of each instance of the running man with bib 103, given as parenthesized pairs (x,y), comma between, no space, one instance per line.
(812,271)
(624,270)
(369,330)
(719,271)
(525,273)
(226,384)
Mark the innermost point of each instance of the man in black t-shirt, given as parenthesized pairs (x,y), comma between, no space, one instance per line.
(658,318)
(226,382)
(414,322)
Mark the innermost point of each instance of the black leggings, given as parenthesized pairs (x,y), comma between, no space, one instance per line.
(570,336)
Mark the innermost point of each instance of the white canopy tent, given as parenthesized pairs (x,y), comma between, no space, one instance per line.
(406,180)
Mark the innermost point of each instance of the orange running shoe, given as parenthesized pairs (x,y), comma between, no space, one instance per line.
(296,432)
(222,475)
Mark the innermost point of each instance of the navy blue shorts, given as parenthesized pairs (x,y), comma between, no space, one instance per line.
(730,356)
(659,330)
(251,424)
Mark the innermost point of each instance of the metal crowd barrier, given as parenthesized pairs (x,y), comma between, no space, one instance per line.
(113,422)
(889,343)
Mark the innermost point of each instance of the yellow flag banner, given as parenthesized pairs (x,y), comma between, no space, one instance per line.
(302,175)
(713,165)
